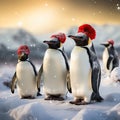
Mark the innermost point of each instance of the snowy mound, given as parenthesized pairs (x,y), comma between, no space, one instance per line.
(31,111)
(114,113)
(114,97)
(89,114)
(115,74)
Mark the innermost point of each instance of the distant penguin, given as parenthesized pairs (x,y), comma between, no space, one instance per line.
(25,75)
(115,75)
(85,71)
(54,69)
(110,56)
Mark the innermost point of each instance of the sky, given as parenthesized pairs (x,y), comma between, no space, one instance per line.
(44,16)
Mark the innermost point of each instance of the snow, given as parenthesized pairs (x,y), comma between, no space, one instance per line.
(14,108)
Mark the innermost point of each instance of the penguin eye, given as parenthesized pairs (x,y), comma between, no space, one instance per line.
(54,41)
(81,37)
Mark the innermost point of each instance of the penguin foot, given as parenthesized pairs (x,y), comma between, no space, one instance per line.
(7,83)
(77,101)
(39,94)
(27,97)
(58,98)
(54,97)
(118,81)
(82,103)
(48,98)
(100,100)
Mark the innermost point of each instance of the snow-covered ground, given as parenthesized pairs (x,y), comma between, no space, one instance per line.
(14,108)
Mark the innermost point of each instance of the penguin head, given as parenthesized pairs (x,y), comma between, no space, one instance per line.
(53,43)
(23,52)
(108,43)
(80,39)
(56,41)
(86,33)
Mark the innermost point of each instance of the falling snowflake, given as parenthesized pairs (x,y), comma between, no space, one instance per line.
(13,54)
(100,12)
(118,8)
(95,2)
(46,4)
(8,47)
(55,76)
(94,14)
(117,5)
(63,8)
(73,19)
(20,23)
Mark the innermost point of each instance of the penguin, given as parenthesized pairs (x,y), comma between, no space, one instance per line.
(115,75)
(54,69)
(25,75)
(85,70)
(110,56)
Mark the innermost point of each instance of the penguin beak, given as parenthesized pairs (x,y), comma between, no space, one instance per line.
(105,44)
(54,43)
(80,39)
(51,42)
(47,42)
(73,37)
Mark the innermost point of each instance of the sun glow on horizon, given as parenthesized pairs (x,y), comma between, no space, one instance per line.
(50,16)
(41,19)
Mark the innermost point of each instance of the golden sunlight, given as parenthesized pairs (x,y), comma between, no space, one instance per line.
(41,19)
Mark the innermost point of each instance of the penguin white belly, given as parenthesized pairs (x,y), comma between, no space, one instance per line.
(80,74)
(54,73)
(26,83)
(105,59)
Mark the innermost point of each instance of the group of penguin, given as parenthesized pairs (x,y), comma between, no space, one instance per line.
(81,76)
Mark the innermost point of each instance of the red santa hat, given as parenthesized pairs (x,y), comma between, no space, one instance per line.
(60,36)
(23,49)
(111,42)
(88,30)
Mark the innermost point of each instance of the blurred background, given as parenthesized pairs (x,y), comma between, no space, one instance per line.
(32,21)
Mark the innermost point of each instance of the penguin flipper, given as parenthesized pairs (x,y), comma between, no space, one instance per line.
(92,48)
(68,73)
(115,62)
(39,77)
(95,69)
(110,59)
(13,82)
(69,83)
(65,58)
(95,80)
(33,67)
(95,74)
